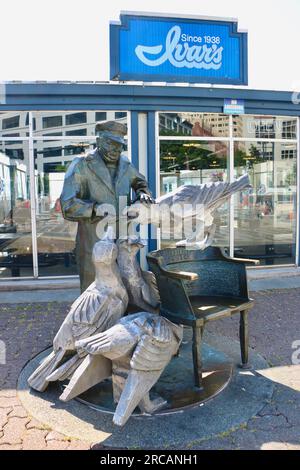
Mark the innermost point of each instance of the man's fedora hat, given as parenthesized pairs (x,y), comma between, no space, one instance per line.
(112,130)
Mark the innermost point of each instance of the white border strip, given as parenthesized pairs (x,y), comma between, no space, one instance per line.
(176,15)
(2,93)
(298,195)
(156,230)
(231,179)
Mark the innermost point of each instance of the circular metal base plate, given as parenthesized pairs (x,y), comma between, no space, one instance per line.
(243,398)
(176,384)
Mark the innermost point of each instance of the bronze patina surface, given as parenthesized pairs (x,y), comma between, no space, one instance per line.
(100,177)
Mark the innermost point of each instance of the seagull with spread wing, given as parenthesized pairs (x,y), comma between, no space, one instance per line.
(187,211)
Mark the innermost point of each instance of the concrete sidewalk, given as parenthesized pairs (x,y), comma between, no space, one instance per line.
(27,328)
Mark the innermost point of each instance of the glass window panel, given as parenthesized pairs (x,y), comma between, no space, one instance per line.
(120,114)
(14,121)
(194,124)
(83,122)
(12,142)
(77,132)
(101,116)
(265,215)
(53,134)
(75,118)
(11,122)
(52,121)
(15,212)
(264,127)
(194,163)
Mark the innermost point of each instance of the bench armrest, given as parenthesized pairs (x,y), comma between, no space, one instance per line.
(184,275)
(243,260)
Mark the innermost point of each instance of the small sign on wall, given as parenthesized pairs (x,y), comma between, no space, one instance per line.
(232,106)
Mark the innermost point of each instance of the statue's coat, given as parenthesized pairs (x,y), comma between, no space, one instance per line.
(88,182)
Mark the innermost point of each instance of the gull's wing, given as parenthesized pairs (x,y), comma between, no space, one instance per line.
(208,194)
(112,343)
(87,314)
(156,347)
(150,290)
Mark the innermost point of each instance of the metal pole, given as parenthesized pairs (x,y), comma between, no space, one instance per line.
(32,199)
(231,178)
(143,168)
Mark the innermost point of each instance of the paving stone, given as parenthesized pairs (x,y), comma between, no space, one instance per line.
(34,439)
(79,445)
(263,440)
(34,424)
(4,416)
(7,402)
(8,393)
(270,409)
(57,445)
(19,412)
(245,440)
(293,447)
(55,436)
(291,411)
(217,443)
(274,446)
(268,423)
(10,447)
(14,431)
(290,436)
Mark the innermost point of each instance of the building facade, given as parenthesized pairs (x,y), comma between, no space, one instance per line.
(176,135)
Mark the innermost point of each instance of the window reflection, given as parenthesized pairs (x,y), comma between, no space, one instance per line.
(68,123)
(265,127)
(13,123)
(15,212)
(194,163)
(265,215)
(194,124)
(56,236)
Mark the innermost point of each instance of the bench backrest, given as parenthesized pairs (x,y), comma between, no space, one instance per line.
(217,276)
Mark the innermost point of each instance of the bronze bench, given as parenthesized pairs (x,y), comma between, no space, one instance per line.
(196,287)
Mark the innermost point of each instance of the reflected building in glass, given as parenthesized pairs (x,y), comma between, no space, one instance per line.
(57,138)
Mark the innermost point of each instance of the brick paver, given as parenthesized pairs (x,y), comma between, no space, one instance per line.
(27,329)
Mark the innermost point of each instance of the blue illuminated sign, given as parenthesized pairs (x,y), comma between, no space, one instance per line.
(170,49)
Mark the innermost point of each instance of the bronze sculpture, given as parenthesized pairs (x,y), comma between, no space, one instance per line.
(140,346)
(97,309)
(101,177)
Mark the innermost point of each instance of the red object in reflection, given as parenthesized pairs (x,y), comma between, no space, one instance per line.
(57,206)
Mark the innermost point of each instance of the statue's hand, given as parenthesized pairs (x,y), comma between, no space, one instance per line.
(146,198)
(105,210)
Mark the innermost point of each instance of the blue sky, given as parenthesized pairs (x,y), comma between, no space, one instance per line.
(68,40)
